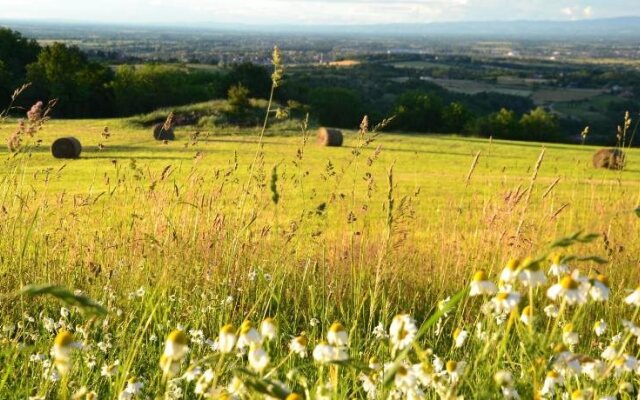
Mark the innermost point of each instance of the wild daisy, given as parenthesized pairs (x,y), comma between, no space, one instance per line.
(248,335)
(599,327)
(633,298)
(62,347)
(526,315)
(268,328)
(402,331)
(480,285)
(599,290)
(337,335)
(531,274)
(227,339)
(298,345)
(552,380)
(558,268)
(505,302)
(258,358)
(569,337)
(323,353)
(508,274)
(569,290)
(174,351)
(455,369)
(460,336)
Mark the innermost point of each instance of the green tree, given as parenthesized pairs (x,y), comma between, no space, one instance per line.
(238,98)
(16,52)
(539,124)
(502,125)
(455,118)
(255,78)
(149,87)
(337,107)
(418,112)
(81,87)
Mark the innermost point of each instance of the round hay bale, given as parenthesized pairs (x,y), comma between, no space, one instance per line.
(66,147)
(609,158)
(330,137)
(159,133)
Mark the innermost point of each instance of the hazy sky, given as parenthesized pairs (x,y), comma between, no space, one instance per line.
(313,11)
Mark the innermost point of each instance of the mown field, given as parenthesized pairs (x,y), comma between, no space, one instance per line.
(163,250)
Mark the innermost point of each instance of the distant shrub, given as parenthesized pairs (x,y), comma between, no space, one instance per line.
(337,107)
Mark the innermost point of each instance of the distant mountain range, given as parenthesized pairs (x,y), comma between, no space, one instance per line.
(624,28)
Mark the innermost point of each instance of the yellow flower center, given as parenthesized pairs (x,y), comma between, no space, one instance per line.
(246,327)
(603,279)
(568,328)
(302,340)
(480,276)
(552,375)
(528,311)
(227,329)
(513,263)
(569,283)
(451,366)
(336,327)
(502,296)
(178,337)
(294,396)
(456,333)
(63,339)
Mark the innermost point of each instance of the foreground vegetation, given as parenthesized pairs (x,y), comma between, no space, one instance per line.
(238,264)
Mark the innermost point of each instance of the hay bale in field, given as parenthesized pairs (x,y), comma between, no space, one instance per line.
(330,137)
(66,147)
(160,133)
(609,158)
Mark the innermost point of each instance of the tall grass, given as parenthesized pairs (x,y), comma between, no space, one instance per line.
(186,250)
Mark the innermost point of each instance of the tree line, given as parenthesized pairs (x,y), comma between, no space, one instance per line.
(86,88)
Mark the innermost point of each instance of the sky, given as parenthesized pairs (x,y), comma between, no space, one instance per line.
(312,12)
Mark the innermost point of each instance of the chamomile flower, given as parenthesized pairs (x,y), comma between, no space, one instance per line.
(369,386)
(551,311)
(227,339)
(625,363)
(248,335)
(570,290)
(133,388)
(460,337)
(268,328)
(480,285)
(599,290)
(526,315)
(552,380)
(62,348)
(558,268)
(505,302)
(405,380)
(610,352)
(298,345)
(508,274)
(569,337)
(599,327)
(174,351)
(323,353)
(402,331)
(455,369)
(593,368)
(531,274)
(634,298)
(258,358)
(337,335)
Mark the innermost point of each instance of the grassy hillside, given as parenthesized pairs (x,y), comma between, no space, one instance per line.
(198,233)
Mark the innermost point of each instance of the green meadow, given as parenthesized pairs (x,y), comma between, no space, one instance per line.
(127,272)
